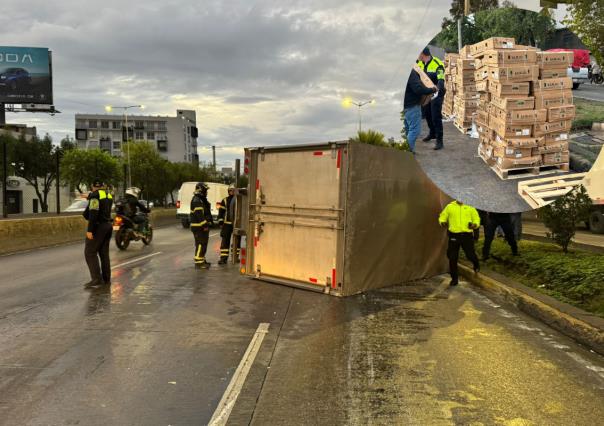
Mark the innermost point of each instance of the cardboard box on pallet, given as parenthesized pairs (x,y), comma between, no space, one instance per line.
(508,57)
(564,112)
(516,163)
(549,84)
(501,150)
(501,88)
(553,72)
(555,158)
(513,102)
(490,44)
(514,73)
(541,129)
(506,130)
(518,142)
(553,98)
(552,138)
(553,147)
(555,59)
(525,116)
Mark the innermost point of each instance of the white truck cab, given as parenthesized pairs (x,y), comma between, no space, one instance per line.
(216,193)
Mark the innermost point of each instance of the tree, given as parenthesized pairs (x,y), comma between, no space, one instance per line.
(526,27)
(67,143)
(80,167)
(587,22)
(561,216)
(35,162)
(457,8)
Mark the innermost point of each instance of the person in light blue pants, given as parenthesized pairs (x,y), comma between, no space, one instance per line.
(412,107)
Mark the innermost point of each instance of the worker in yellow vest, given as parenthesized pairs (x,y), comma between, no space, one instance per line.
(432,112)
(460,221)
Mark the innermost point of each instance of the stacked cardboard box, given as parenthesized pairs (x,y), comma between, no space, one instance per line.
(552,93)
(521,103)
(465,97)
(450,73)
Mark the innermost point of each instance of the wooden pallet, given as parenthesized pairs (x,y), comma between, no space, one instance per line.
(464,130)
(527,172)
(539,192)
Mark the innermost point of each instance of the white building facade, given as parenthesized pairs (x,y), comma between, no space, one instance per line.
(175,138)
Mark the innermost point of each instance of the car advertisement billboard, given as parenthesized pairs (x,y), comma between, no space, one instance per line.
(25,75)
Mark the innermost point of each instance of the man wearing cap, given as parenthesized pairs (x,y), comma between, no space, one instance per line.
(98,235)
(435,69)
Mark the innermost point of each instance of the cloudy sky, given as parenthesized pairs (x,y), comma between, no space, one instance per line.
(258,73)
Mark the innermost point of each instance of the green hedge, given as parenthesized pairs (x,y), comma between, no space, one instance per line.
(576,278)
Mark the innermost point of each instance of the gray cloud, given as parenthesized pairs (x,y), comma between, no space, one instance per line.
(258,73)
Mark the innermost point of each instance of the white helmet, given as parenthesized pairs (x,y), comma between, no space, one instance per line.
(133,191)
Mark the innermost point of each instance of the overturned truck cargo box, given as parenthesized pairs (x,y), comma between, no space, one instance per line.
(341,218)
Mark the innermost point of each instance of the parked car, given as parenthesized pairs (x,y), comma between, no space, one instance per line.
(579,71)
(14,78)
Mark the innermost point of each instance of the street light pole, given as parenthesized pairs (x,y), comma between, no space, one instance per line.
(109,108)
(359,105)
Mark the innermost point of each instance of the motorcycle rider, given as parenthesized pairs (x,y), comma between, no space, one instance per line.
(131,207)
(226,212)
(596,73)
(201,220)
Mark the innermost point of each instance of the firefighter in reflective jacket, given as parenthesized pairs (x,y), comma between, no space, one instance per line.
(201,220)
(226,211)
(460,221)
(435,68)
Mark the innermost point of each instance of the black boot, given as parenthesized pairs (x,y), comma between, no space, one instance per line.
(439,144)
(93,283)
(428,138)
(222,261)
(453,283)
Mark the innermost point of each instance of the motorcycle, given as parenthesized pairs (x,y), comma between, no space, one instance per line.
(126,231)
(595,75)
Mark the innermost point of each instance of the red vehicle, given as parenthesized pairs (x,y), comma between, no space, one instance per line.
(579,71)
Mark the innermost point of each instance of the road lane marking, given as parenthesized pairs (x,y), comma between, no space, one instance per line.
(136,260)
(226,404)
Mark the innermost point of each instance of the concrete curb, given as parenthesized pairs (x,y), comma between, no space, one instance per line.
(577,324)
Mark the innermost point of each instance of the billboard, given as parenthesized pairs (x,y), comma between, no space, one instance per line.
(25,75)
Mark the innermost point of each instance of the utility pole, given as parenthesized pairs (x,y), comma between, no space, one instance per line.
(237,171)
(4,164)
(466,12)
(214,157)
(57,187)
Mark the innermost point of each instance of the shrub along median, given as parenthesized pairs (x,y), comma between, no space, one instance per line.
(576,277)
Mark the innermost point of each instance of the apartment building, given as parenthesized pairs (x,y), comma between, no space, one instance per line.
(175,138)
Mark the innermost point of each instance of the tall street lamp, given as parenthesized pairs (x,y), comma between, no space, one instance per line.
(110,108)
(347,102)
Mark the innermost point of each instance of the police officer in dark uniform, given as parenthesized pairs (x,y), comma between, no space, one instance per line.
(495,220)
(226,213)
(435,69)
(201,220)
(98,235)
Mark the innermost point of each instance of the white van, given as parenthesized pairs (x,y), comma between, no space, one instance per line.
(216,193)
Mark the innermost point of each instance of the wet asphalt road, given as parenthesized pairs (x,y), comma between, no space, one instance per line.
(161,346)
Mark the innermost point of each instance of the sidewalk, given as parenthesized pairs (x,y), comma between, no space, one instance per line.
(584,240)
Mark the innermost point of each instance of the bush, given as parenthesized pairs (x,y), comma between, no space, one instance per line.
(576,277)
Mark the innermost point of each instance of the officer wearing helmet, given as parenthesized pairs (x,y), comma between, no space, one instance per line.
(226,214)
(130,206)
(201,220)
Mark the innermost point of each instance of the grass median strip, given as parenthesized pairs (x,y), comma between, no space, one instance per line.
(588,112)
(576,278)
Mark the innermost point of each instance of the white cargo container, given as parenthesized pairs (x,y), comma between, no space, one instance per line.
(216,193)
(341,218)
